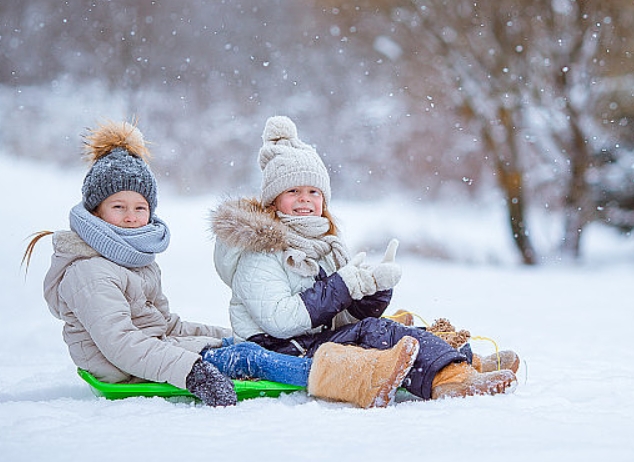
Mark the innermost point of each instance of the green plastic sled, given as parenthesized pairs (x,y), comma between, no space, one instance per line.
(245,389)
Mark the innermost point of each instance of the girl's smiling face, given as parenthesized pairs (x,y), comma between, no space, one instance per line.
(125,209)
(300,201)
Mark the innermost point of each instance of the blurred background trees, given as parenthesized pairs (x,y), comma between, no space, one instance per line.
(431,100)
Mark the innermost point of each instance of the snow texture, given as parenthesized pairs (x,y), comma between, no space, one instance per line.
(569,322)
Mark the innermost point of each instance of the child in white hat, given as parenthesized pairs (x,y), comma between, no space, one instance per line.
(296,289)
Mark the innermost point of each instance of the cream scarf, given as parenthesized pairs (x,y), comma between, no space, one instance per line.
(308,243)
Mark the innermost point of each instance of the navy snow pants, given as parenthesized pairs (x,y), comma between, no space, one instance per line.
(380,333)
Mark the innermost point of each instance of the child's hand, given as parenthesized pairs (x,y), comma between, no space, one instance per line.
(358,277)
(388,273)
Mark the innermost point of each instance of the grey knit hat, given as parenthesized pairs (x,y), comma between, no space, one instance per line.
(286,161)
(118,153)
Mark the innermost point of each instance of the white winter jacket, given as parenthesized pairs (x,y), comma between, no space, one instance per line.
(265,293)
(117,322)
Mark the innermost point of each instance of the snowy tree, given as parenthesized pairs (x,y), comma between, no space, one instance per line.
(524,76)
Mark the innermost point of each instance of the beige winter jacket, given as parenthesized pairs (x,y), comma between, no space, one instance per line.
(117,322)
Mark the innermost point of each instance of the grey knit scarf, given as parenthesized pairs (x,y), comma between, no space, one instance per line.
(129,247)
(308,243)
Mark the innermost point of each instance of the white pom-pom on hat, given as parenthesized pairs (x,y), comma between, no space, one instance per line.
(279,128)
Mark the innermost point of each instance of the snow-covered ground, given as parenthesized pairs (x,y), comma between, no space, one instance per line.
(569,322)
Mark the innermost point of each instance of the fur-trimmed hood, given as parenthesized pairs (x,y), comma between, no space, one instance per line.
(246,225)
(243,225)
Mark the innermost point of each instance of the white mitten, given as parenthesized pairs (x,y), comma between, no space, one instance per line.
(358,277)
(388,273)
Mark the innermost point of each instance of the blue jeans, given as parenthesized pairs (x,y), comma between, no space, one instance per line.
(249,360)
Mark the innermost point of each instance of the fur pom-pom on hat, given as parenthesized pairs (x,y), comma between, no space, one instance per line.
(118,154)
(104,139)
(286,161)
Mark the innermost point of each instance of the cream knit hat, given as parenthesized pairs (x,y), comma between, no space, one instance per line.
(286,161)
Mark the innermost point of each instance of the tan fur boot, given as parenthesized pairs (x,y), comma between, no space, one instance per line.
(461,379)
(365,377)
(508,360)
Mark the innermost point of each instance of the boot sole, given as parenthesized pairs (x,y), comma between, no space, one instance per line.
(495,385)
(506,386)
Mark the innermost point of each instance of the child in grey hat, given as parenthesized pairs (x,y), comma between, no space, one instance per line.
(105,285)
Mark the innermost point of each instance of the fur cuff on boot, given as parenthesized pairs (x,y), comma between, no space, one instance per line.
(446,331)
